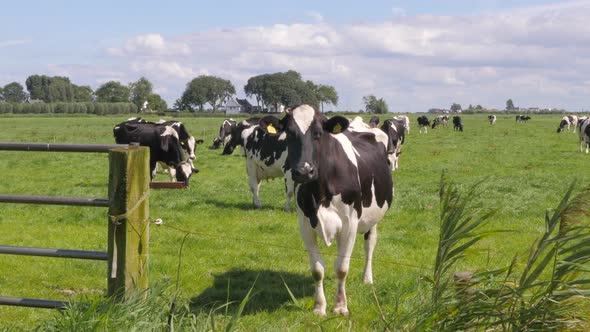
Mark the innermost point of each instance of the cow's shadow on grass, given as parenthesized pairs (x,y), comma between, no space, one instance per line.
(242,205)
(269,292)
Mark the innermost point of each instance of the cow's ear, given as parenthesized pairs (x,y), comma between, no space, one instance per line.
(165,142)
(270,125)
(336,124)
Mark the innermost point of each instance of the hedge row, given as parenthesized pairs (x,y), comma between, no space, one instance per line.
(68,108)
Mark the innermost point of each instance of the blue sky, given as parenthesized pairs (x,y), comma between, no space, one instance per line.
(415,54)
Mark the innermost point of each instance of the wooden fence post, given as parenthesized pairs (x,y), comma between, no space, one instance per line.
(128,237)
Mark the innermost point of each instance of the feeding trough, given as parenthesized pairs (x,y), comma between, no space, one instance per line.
(167,185)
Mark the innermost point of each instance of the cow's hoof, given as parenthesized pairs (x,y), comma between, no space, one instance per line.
(341,311)
(320,312)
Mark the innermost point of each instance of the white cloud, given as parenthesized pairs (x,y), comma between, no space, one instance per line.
(316,16)
(7,43)
(151,45)
(535,55)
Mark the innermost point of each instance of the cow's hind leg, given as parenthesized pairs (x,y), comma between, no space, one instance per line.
(316,262)
(370,241)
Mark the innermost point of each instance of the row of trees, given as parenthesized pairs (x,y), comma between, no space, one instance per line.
(287,89)
(59,89)
(68,108)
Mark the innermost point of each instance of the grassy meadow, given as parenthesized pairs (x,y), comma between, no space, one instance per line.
(525,168)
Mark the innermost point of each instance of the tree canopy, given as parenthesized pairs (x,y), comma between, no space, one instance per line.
(456,107)
(13,93)
(112,92)
(82,93)
(140,91)
(156,103)
(374,105)
(288,89)
(509,105)
(50,89)
(206,89)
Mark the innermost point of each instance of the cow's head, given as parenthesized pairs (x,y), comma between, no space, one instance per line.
(173,154)
(395,140)
(236,137)
(184,170)
(307,132)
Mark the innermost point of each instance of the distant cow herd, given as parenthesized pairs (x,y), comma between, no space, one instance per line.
(338,171)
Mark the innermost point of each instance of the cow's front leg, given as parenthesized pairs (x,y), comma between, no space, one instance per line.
(370,241)
(171,173)
(289,189)
(316,263)
(345,241)
(254,182)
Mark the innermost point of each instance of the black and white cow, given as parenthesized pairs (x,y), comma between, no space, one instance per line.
(492,119)
(457,123)
(163,142)
(423,122)
(374,122)
(344,187)
(405,120)
(358,125)
(584,133)
(396,132)
(235,136)
(440,120)
(522,118)
(266,156)
(567,122)
(187,141)
(224,133)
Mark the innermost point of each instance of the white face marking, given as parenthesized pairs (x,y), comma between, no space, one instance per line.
(303,116)
(169,132)
(186,169)
(283,136)
(191,142)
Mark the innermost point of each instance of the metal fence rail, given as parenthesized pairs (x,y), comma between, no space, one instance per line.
(33,303)
(51,252)
(54,200)
(127,254)
(57,147)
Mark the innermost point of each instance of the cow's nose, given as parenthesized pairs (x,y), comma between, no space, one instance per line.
(192,157)
(306,169)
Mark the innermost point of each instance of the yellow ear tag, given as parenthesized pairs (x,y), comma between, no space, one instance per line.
(271,129)
(337,129)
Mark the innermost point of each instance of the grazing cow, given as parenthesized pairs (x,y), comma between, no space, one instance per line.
(522,118)
(235,136)
(584,133)
(163,142)
(492,119)
(357,125)
(567,122)
(344,187)
(396,132)
(187,141)
(423,122)
(441,119)
(457,124)
(405,120)
(266,156)
(224,133)
(374,122)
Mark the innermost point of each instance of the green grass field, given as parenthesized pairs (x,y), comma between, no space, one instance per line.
(526,169)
